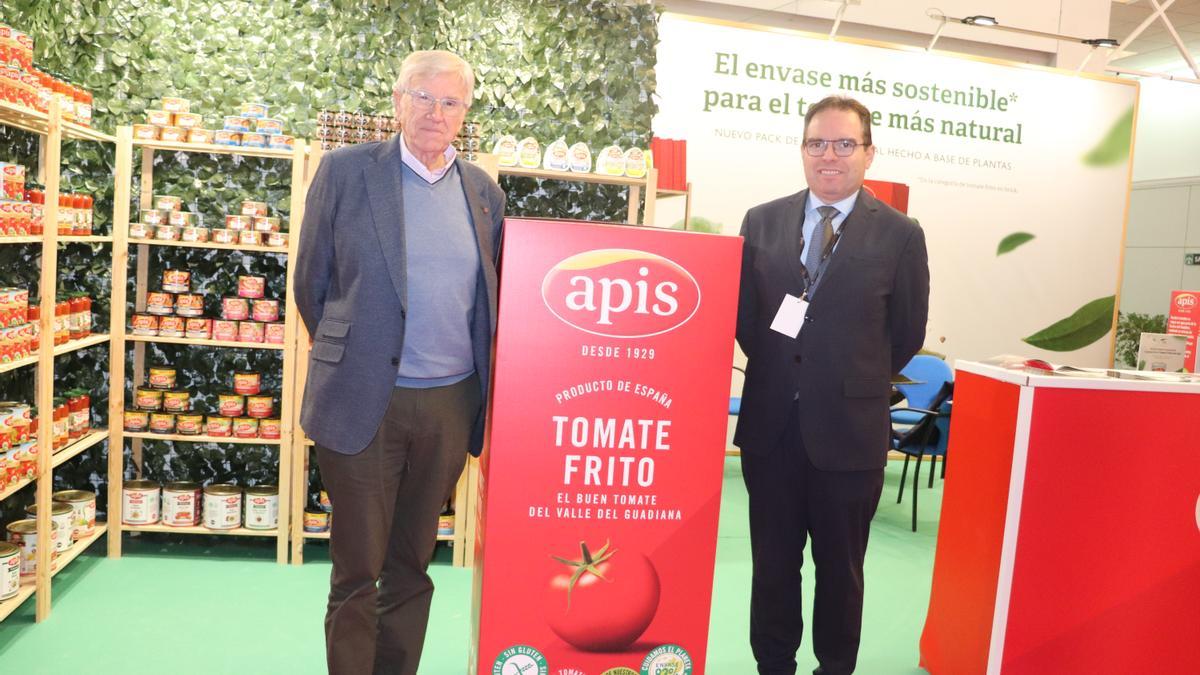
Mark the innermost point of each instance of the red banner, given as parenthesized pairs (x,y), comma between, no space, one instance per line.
(1184,319)
(600,490)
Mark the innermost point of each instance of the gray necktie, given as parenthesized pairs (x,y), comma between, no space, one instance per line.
(822,233)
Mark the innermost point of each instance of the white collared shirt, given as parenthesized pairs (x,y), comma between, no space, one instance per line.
(419,167)
(812,217)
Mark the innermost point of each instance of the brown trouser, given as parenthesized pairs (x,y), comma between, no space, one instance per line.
(386,501)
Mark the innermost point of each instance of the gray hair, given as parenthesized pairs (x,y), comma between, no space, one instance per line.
(431,63)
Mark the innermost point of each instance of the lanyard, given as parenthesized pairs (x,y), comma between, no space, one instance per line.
(810,282)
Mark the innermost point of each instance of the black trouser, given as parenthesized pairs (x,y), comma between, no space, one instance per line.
(791,501)
(386,502)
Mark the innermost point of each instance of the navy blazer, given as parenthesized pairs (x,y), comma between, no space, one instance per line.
(350,287)
(866,320)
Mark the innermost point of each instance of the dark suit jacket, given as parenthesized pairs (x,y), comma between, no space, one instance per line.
(351,289)
(866,320)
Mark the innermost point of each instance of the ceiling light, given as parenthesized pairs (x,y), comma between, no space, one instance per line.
(980,20)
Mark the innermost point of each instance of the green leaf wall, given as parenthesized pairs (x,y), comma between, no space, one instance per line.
(583,70)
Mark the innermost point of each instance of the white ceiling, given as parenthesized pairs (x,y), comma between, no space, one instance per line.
(1154,49)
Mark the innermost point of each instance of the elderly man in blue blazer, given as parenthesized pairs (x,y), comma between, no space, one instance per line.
(396,283)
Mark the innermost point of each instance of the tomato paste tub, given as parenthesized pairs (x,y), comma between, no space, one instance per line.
(262,507)
(222,507)
(83,511)
(140,502)
(181,504)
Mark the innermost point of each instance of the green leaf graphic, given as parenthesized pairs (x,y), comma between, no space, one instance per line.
(1012,241)
(1090,323)
(1114,149)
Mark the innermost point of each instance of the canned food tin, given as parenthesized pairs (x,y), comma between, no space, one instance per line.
(162,423)
(266,223)
(247,382)
(254,110)
(254,140)
(170,326)
(145,132)
(83,511)
(198,329)
(262,507)
(137,420)
(159,302)
(189,304)
(270,428)
(224,236)
(195,235)
(176,401)
(251,286)
(260,405)
(236,123)
(173,134)
(220,427)
(183,218)
(147,398)
(245,427)
(251,331)
(60,515)
(266,310)
(277,239)
(176,281)
(200,136)
(224,137)
(281,142)
(222,507)
(145,324)
(316,521)
(140,502)
(173,104)
(268,126)
(225,330)
(181,504)
(162,377)
(274,334)
(138,231)
(235,308)
(250,238)
(231,405)
(250,208)
(187,120)
(10,570)
(168,202)
(23,534)
(167,233)
(189,424)
(153,217)
(238,222)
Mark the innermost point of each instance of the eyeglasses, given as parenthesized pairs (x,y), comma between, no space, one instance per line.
(424,100)
(842,147)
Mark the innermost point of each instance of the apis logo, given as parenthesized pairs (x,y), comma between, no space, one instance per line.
(621,293)
(1185,301)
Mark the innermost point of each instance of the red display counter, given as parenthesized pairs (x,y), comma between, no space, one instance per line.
(1069,539)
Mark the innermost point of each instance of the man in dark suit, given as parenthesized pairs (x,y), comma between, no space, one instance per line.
(396,283)
(834,300)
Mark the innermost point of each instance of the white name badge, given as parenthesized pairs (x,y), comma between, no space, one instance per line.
(790,317)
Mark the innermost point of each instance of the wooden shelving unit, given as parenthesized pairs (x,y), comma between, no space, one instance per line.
(126,145)
(52,130)
(491,164)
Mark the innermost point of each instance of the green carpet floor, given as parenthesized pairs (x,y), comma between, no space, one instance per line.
(228,608)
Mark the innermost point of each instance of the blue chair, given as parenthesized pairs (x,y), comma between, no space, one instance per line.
(735,402)
(928,437)
(928,374)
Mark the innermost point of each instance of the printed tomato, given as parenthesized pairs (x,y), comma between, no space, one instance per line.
(603,601)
